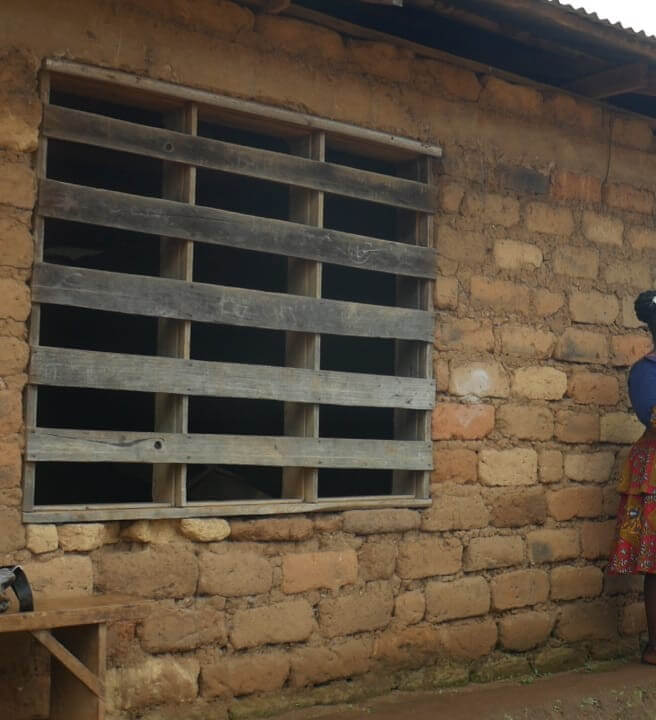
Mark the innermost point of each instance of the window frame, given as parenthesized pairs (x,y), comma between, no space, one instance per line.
(307,136)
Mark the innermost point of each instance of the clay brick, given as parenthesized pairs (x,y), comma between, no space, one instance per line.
(589,467)
(479,379)
(464,334)
(543,218)
(377,560)
(272,529)
(312,571)
(366,610)
(552,545)
(410,607)
(451,195)
(594,388)
(455,507)
(582,346)
(593,307)
(469,640)
(513,99)
(539,383)
(454,80)
(632,132)
(245,674)
(526,422)
(10,465)
(568,186)
(641,238)
(621,428)
(157,532)
(526,341)
(441,373)
(284,622)
(160,571)
(623,584)
(576,262)
(379,58)
(17,185)
(463,247)
(41,538)
(81,537)
(413,646)
(493,552)
(633,274)
(454,421)
(523,180)
(371,522)
(519,588)
(634,619)
(587,621)
(568,111)
(500,295)
(628,349)
(602,229)
(626,197)
(629,318)
(11,412)
(302,38)
(570,583)
(454,466)
(14,355)
(464,598)
(516,508)
(446,293)
(611,500)
(597,539)
(551,466)
(233,574)
(577,427)
(15,299)
(508,467)
(547,303)
(63,576)
(16,250)
(316,665)
(179,629)
(155,681)
(513,255)
(525,630)
(428,556)
(491,209)
(578,501)
(205,529)
(559,659)
(12,536)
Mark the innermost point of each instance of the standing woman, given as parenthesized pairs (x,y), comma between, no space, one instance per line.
(634,551)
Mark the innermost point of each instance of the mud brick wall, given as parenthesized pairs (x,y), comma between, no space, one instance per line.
(545,234)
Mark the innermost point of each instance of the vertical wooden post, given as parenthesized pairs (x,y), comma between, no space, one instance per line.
(174,336)
(414,359)
(303,350)
(31,395)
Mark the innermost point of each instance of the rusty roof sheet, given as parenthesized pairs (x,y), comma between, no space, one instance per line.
(594,17)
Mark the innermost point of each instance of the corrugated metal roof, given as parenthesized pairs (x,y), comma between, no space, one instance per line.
(594,17)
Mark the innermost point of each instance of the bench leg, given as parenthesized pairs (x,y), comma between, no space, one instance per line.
(77,688)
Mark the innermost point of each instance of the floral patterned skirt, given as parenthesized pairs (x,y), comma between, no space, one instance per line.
(634,550)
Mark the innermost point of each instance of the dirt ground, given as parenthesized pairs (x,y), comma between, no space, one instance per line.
(627,692)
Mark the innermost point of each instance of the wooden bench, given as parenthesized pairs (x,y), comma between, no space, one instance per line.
(74,630)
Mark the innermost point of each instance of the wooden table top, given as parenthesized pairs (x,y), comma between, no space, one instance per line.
(52,613)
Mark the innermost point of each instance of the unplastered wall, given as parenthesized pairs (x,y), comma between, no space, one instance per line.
(545,234)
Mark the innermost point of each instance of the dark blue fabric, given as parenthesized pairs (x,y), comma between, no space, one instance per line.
(642,388)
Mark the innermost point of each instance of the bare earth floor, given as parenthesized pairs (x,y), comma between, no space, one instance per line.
(627,692)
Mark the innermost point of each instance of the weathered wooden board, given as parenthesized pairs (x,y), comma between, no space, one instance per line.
(222,227)
(64,367)
(55,445)
(200,302)
(102,131)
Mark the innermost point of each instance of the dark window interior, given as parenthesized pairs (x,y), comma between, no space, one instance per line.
(101,248)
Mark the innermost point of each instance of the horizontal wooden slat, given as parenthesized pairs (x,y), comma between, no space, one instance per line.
(63,367)
(254,508)
(54,445)
(200,302)
(222,227)
(99,130)
(141,85)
